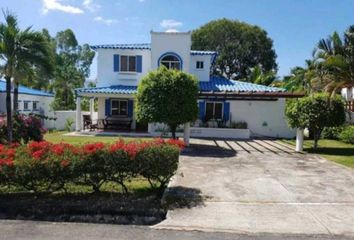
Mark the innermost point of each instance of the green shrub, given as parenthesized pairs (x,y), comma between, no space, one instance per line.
(347,135)
(332,132)
(158,163)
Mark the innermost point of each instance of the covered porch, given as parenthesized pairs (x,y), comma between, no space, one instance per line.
(115,110)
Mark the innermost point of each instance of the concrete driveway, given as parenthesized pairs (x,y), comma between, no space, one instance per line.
(260,186)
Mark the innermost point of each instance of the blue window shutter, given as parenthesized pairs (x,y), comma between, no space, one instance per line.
(201,110)
(130,108)
(116,63)
(108,107)
(226,111)
(139,63)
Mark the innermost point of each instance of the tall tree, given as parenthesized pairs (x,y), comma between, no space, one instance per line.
(72,67)
(240,47)
(19,49)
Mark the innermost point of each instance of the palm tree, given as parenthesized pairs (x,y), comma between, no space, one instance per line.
(19,50)
(335,58)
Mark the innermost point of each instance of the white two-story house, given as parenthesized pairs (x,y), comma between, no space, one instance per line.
(122,66)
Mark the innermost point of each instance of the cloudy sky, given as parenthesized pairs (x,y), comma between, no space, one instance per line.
(294,25)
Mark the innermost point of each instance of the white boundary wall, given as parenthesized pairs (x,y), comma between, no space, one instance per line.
(62,116)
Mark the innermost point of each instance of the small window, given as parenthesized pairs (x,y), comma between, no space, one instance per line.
(35,106)
(119,108)
(128,63)
(199,65)
(26,106)
(213,110)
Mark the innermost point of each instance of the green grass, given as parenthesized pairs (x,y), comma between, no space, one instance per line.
(58,136)
(333,150)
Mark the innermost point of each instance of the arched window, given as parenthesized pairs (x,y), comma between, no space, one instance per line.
(171,62)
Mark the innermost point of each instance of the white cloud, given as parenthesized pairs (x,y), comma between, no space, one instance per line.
(170,23)
(172,30)
(55,5)
(90,5)
(104,20)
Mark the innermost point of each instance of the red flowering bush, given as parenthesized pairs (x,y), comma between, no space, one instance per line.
(44,166)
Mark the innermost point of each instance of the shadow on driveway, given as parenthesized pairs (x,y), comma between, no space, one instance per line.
(201,150)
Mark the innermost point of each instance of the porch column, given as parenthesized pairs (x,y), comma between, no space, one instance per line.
(187,133)
(299,140)
(92,106)
(78,114)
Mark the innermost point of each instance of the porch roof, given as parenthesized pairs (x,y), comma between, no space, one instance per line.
(116,89)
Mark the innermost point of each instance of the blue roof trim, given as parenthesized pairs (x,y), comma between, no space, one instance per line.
(220,84)
(26,90)
(117,89)
(142,46)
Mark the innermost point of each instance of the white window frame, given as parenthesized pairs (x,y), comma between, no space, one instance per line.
(28,105)
(196,65)
(119,100)
(214,103)
(128,57)
(35,108)
(170,62)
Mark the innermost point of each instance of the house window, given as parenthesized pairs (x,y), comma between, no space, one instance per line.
(199,65)
(171,62)
(26,105)
(128,63)
(213,110)
(35,106)
(119,108)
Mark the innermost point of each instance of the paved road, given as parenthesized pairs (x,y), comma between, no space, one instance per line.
(260,186)
(28,230)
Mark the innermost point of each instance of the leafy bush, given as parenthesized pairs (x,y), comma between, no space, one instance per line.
(239,125)
(347,135)
(332,132)
(25,128)
(68,124)
(47,167)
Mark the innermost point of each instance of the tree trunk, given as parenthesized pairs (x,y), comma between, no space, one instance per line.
(8,109)
(15,100)
(173,131)
(316,136)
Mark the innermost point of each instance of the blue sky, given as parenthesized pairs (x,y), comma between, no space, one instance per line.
(294,25)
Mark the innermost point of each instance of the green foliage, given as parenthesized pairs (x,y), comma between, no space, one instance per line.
(332,132)
(347,135)
(315,112)
(160,98)
(158,164)
(256,75)
(68,124)
(240,47)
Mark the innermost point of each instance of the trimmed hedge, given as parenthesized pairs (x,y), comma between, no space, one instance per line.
(347,135)
(47,167)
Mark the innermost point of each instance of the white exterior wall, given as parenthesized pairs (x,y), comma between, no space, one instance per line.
(43,106)
(62,116)
(201,74)
(107,77)
(264,118)
(348,93)
(179,43)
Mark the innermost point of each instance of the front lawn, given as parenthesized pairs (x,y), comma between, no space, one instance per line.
(58,136)
(333,150)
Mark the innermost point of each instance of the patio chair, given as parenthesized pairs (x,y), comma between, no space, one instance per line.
(88,123)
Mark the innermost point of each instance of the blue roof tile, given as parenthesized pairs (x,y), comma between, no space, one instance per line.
(117,89)
(26,90)
(216,84)
(220,84)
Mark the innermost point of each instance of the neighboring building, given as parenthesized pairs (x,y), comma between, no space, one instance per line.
(348,95)
(29,101)
(120,67)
